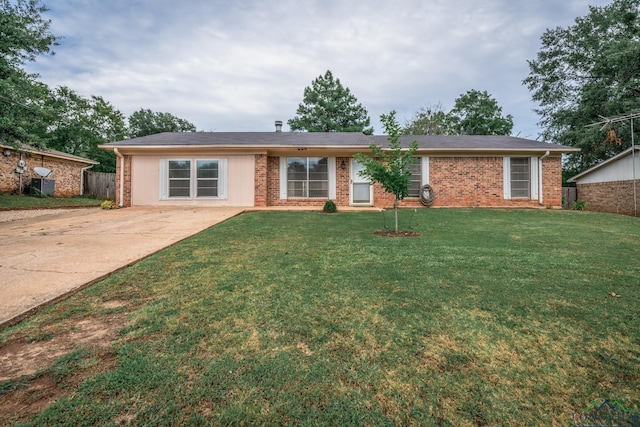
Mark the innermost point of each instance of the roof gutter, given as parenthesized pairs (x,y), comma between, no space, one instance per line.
(121,189)
(540,187)
(358,148)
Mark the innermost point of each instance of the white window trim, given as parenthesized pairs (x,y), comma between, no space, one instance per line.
(222,178)
(331,171)
(533,178)
(425,170)
(283,178)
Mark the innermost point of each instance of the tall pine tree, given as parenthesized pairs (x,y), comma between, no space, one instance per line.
(327,106)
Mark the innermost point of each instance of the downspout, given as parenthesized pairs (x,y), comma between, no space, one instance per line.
(82,178)
(20,188)
(540,187)
(121,189)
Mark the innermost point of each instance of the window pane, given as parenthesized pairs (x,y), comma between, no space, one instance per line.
(296,168)
(208,188)
(207,169)
(361,192)
(414,189)
(318,169)
(296,189)
(318,189)
(179,188)
(179,169)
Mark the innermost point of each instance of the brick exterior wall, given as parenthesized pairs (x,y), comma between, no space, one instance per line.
(343,181)
(456,181)
(65,173)
(467,181)
(127,181)
(261,180)
(613,197)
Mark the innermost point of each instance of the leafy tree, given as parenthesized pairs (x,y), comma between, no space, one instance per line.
(390,168)
(477,113)
(24,34)
(587,71)
(429,120)
(80,125)
(22,108)
(327,106)
(146,122)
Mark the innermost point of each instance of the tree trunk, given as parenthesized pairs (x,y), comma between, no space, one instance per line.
(395,209)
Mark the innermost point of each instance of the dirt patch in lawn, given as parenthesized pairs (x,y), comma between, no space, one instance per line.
(29,384)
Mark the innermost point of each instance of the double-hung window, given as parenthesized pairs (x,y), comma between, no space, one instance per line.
(207,178)
(520,177)
(416,178)
(520,170)
(179,178)
(193,179)
(419,175)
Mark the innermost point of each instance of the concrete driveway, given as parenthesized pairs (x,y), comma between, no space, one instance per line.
(46,257)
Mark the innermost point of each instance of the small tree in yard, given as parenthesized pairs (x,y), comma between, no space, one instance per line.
(390,168)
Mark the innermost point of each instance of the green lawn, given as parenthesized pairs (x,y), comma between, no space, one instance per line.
(12,201)
(491,317)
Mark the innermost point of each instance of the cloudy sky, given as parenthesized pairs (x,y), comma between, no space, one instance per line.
(239,65)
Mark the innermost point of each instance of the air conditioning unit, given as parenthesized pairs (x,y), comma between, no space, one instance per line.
(42,186)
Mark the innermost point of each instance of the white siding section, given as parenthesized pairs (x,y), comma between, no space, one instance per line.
(223,167)
(150,181)
(619,170)
(331,169)
(164,179)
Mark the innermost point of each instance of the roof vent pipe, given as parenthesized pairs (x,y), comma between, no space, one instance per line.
(278,125)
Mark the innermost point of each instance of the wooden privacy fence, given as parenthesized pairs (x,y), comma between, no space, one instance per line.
(102,185)
(569,196)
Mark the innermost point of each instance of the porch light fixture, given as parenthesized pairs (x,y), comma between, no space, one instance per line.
(6,152)
(343,165)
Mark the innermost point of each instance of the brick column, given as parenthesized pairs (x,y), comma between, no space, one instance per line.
(127,182)
(552,182)
(260,180)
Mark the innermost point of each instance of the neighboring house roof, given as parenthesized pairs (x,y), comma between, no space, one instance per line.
(606,163)
(341,140)
(51,153)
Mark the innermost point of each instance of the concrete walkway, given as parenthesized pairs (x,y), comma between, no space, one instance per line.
(44,258)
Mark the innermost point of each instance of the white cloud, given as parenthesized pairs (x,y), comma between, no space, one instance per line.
(238,66)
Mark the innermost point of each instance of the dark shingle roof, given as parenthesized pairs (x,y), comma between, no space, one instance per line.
(51,153)
(332,139)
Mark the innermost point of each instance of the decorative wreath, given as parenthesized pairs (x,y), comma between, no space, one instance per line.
(426,195)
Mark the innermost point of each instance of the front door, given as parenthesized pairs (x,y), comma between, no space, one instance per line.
(361,188)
